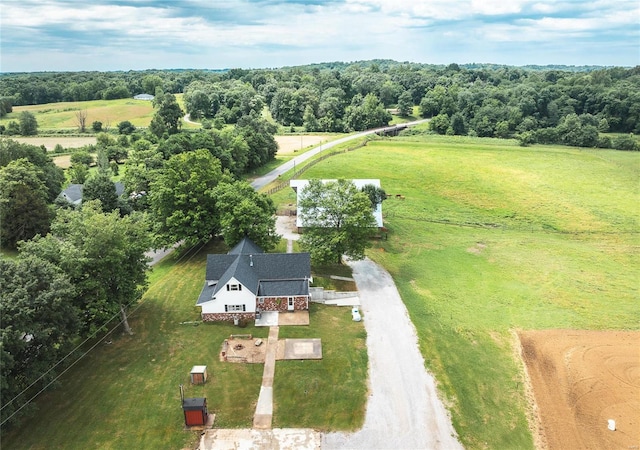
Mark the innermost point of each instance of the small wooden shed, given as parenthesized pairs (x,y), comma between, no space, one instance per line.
(198,374)
(195,411)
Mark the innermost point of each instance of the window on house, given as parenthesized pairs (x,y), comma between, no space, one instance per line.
(234,287)
(232,308)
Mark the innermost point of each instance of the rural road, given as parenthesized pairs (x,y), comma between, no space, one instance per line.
(262,181)
(403,408)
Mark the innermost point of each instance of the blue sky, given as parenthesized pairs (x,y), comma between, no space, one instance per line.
(60,35)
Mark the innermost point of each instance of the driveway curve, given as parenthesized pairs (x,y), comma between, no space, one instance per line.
(403,408)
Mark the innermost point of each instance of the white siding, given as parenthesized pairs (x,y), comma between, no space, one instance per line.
(224,297)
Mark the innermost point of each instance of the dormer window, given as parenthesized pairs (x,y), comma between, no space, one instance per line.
(234,287)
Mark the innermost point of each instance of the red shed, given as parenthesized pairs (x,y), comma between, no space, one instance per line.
(195,411)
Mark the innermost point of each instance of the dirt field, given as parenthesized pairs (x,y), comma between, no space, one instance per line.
(581,380)
(63,161)
(290,144)
(286,144)
(50,142)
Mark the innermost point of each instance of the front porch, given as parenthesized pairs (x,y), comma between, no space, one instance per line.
(276,318)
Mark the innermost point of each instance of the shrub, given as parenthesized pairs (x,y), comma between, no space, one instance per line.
(627,142)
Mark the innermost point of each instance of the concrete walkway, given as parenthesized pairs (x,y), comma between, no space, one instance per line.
(276,439)
(264,410)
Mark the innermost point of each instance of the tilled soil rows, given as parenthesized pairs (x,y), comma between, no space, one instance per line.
(581,380)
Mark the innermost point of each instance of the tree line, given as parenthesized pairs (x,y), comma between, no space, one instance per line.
(565,105)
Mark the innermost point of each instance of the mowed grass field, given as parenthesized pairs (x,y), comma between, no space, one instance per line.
(125,394)
(491,238)
(57,116)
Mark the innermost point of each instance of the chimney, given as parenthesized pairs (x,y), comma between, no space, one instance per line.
(251,260)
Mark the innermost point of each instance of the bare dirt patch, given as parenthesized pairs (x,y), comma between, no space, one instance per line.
(581,380)
(243,350)
(51,142)
(291,143)
(477,249)
(62,161)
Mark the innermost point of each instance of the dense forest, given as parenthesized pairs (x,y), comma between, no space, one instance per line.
(565,105)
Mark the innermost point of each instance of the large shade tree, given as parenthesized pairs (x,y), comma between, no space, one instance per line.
(28,124)
(245,212)
(337,219)
(104,256)
(167,116)
(38,324)
(52,175)
(23,203)
(100,186)
(183,199)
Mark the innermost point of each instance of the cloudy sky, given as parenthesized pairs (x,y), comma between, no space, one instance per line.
(163,34)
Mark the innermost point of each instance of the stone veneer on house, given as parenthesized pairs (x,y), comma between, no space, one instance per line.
(300,303)
(227,317)
(280,304)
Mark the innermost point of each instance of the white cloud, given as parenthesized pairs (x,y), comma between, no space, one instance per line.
(242,33)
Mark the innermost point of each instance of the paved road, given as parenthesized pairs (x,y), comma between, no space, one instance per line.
(403,408)
(275,173)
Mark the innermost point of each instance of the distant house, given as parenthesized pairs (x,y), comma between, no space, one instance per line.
(73,193)
(299,185)
(246,281)
(143,97)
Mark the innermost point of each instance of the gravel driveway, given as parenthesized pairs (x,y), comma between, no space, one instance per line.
(403,408)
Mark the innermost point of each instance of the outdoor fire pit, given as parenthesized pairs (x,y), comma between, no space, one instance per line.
(238,347)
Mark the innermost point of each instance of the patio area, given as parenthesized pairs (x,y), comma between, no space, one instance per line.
(275,318)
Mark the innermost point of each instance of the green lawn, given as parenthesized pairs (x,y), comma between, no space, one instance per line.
(329,394)
(63,115)
(56,116)
(126,394)
(491,238)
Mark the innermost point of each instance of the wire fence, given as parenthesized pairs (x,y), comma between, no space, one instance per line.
(283,184)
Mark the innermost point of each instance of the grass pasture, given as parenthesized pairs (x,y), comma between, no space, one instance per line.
(53,117)
(63,115)
(126,394)
(491,238)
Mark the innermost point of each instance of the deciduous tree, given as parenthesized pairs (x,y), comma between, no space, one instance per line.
(405,104)
(258,133)
(104,256)
(183,200)
(23,203)
(52,175)
(81,120)
(376,194)
(38,324)
(28,124)
(167,116)
(245,212)
(337,220)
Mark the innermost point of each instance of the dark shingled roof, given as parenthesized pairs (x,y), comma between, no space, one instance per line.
(272,288)
(245,247)
(264,274)
(73,193)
